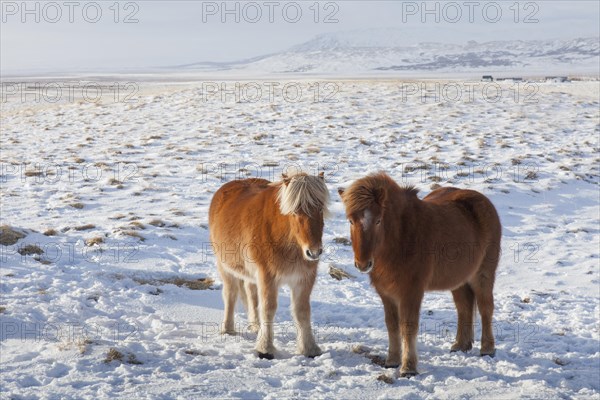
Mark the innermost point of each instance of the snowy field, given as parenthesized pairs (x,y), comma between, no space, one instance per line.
(109,204)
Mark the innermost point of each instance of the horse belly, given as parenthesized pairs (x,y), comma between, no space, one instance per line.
(450,276)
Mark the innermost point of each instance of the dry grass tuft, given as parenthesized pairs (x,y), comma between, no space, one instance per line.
(51,232)
(85,227)
(93,241)
(77,205)
(342,240)
(113,355)
(157,222)
(386,379)
(10,236)
(30,249)
(193,284)
(194,353)
(364,351)
(136,225)
(134,234)
(338,273)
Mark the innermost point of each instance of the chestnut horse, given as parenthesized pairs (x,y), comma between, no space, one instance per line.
(450,240)
(264,235)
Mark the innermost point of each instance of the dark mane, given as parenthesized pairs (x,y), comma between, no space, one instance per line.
(365,191)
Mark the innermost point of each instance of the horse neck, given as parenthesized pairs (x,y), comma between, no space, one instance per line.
(406,213)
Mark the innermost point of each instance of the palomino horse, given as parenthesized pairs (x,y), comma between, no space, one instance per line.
(264,235)
(450,240)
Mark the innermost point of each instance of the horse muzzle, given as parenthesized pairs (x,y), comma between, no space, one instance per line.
(313,254)
(364,268)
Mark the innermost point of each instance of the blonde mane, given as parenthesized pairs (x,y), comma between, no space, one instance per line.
(304,193)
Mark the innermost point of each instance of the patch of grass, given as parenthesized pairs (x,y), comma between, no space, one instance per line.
(2,309)
(83,345)
(132,359)
(194,353)
(531,176)
(193,284)
(113,355)
(385,379)
(93,241)
(51,232)
(338,273)
(157,222)
(136,225)
(342,240)
(10,236)
(30,249)
(85,227)
(134,234)
(77,205)
(560,362)
(33,173)
(364,351)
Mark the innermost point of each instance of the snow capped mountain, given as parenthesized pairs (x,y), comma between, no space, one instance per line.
(378,51)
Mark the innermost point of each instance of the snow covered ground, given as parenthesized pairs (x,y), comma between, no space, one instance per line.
(115,194)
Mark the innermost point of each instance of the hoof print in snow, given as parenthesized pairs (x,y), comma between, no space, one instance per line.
(265,356)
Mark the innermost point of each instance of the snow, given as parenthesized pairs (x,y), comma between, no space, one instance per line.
(150,168)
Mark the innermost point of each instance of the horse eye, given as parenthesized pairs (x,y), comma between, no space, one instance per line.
(351,223)
(378,222)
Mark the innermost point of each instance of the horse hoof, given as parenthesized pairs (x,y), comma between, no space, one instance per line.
(456,348)
(391,365)
(265,356)
(408,374)
(491,354)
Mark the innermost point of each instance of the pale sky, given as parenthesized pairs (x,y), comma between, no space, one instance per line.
(171,33)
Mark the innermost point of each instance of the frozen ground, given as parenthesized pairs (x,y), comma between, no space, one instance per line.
(126,189)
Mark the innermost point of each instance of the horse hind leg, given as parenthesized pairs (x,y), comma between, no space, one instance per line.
(230,294)
(464,299)
(483,286)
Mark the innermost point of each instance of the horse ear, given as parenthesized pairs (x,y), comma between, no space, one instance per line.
(284,176)
(322,175)
(380,195)
(286,181)
(341,192)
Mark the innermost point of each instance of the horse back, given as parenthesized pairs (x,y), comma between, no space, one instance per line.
(472,205)
(234,202)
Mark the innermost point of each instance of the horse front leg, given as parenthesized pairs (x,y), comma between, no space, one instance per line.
(252,306)
(410,306)
(305,342)
(392,322)
(267,294)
